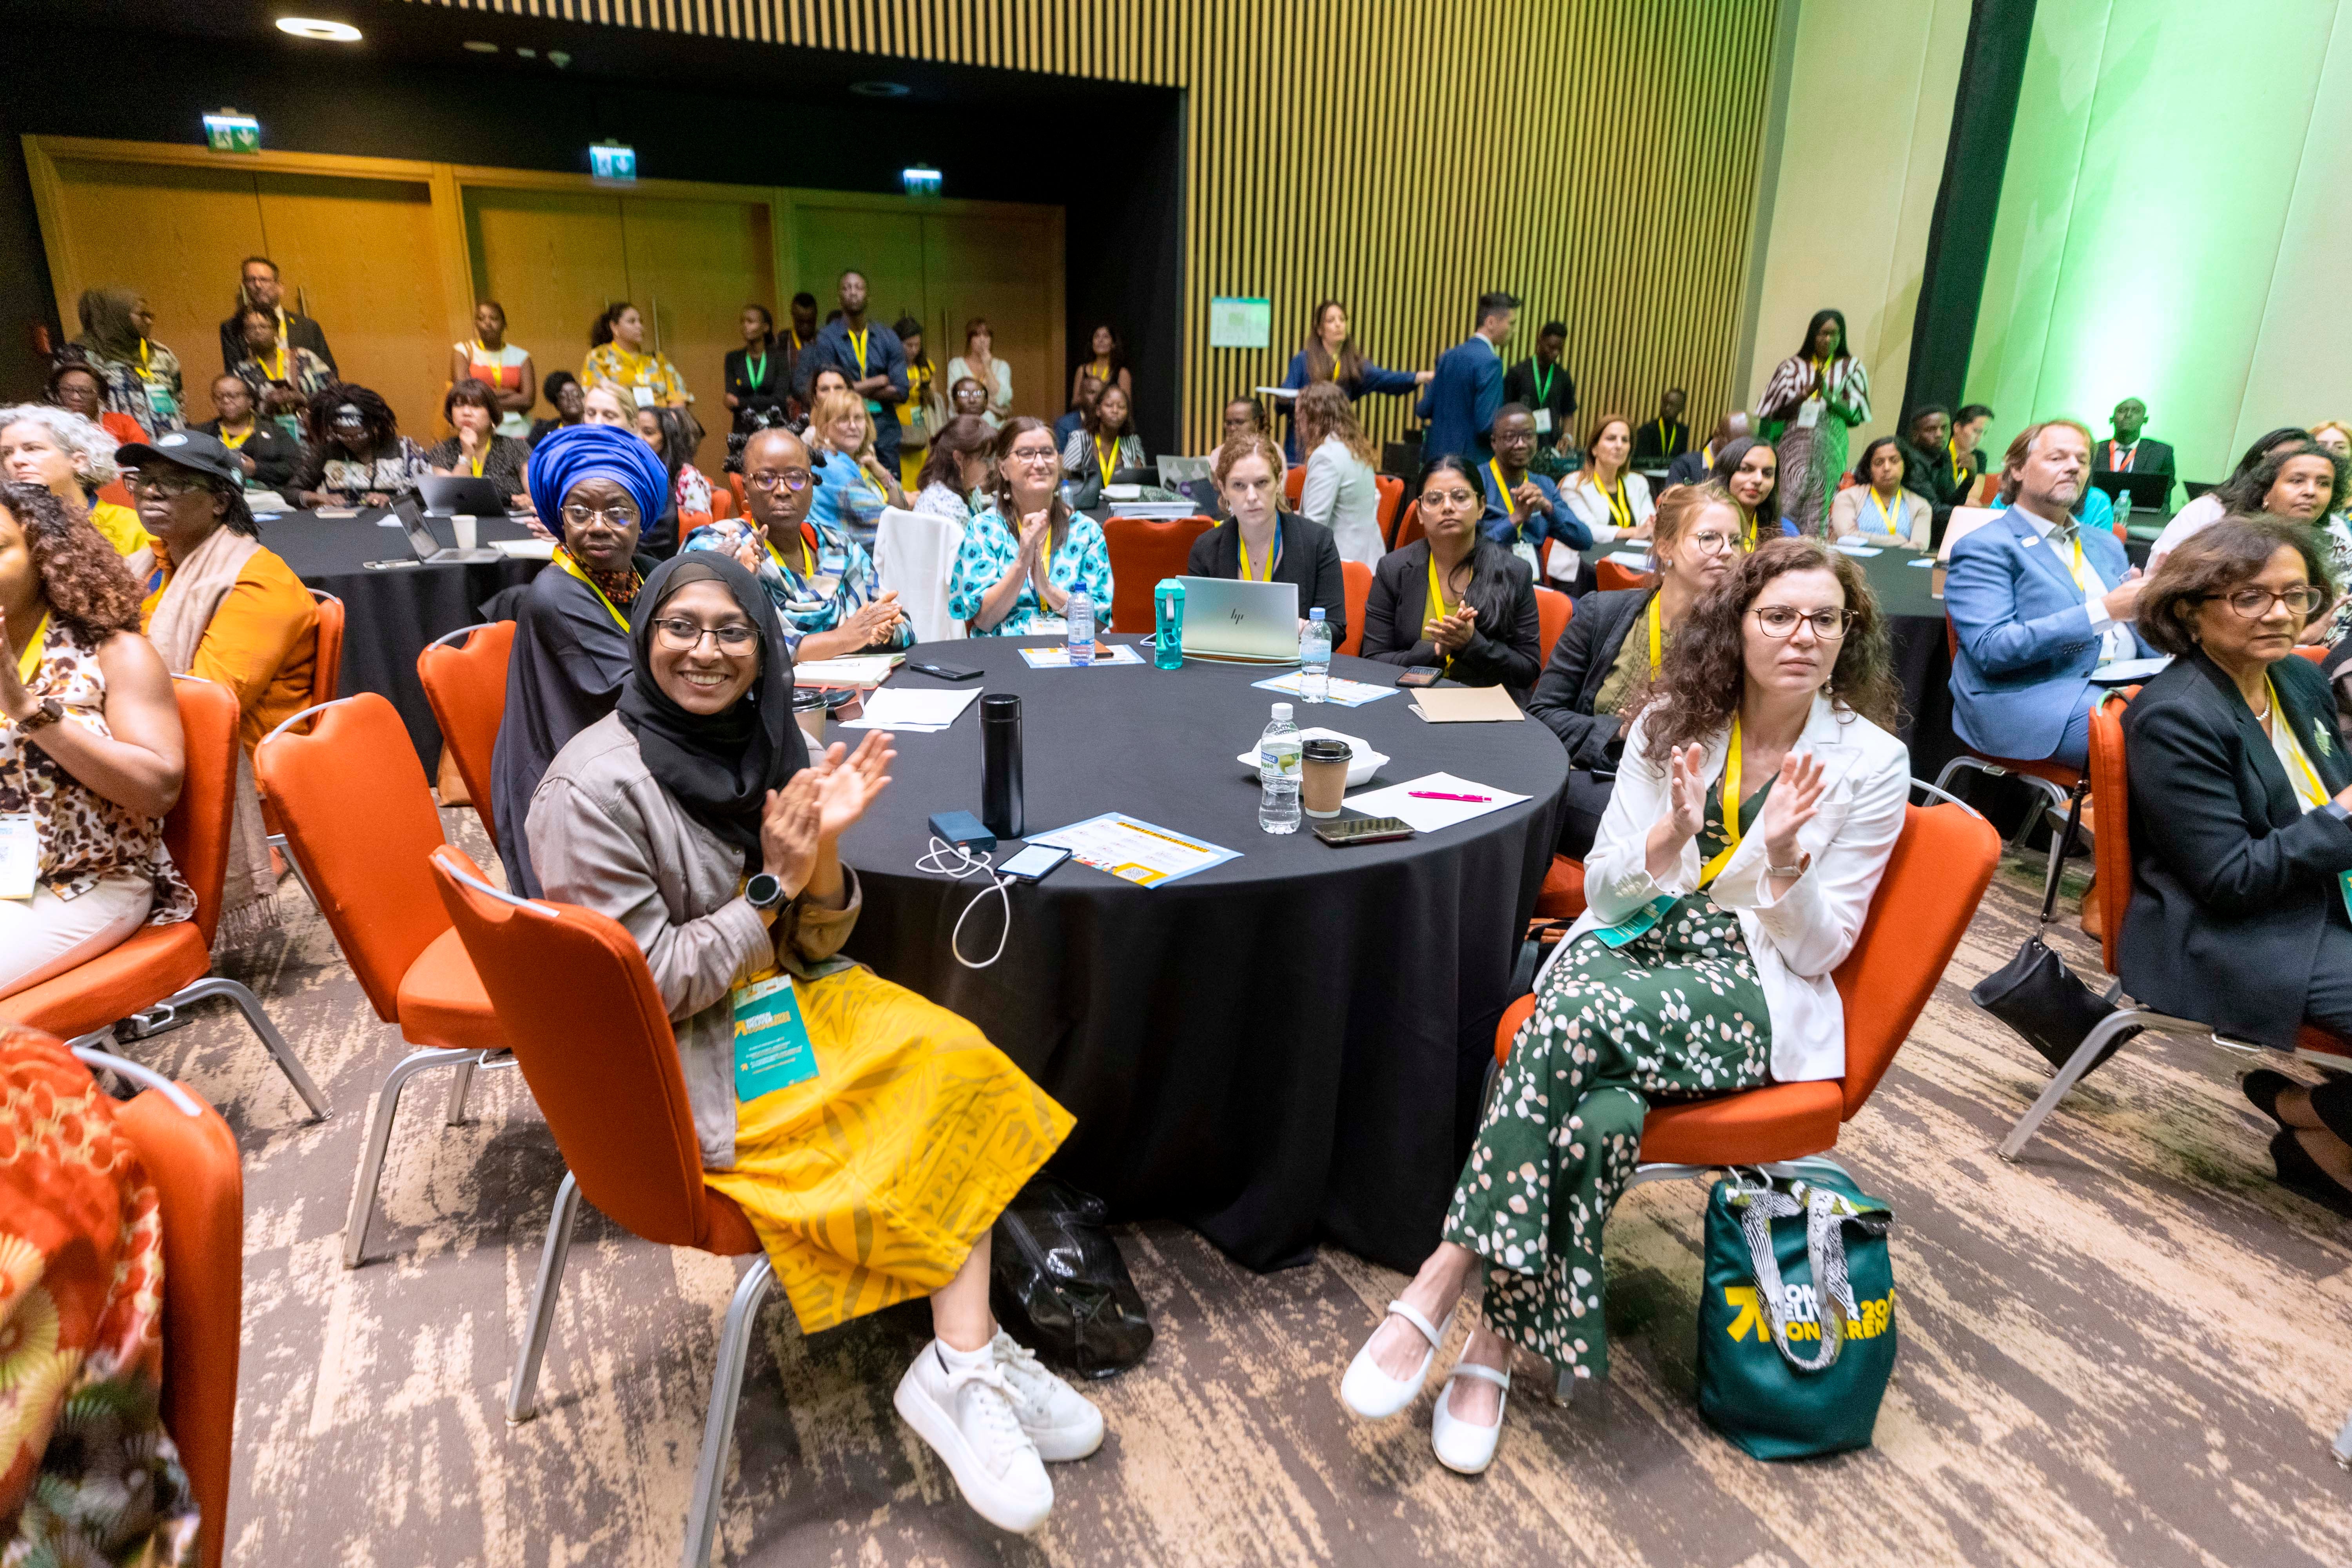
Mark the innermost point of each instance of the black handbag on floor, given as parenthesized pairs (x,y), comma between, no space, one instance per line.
(2037,996)
(1059,1286)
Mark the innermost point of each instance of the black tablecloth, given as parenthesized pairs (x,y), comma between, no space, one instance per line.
(391,613)
(1284,1047)
(1923,661)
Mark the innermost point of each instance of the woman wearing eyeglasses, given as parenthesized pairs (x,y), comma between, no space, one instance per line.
(828,595)
(1615,644)
(1760,796)
(1025,552)
(1454,599)
(594,485)
(2239,843)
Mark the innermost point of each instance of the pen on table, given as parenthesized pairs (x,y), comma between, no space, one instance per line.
(1440,795)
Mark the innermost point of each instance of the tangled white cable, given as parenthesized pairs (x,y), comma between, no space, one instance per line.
(967,864)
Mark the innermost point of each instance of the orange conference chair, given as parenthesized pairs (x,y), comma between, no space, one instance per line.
(1408,527)
(1356,584)
(465,679)
(360,821)
(2314,652)
(1609,576)
(599,1056)
(735,487)
(326,681)
(722,502)
(2111,798)
(1553,610)
(1942,862)
(159,969)
(190,1156)
(1391,507)
(1294,485)
(1144,550)
(2061,787)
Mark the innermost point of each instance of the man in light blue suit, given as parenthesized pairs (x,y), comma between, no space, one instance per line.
(1462,398)
(2039,602)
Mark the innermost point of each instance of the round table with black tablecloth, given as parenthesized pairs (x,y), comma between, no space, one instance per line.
(1285,1048)
(390,613)
(1914,629)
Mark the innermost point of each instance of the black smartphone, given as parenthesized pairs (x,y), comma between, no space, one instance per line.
(1423,675)
(943,671)
(1363,829)
(1033,863)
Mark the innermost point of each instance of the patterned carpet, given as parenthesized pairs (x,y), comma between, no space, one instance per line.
(2130,1348)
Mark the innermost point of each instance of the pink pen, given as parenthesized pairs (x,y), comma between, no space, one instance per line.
(1440,795)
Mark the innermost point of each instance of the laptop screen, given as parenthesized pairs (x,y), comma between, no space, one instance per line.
(420,537)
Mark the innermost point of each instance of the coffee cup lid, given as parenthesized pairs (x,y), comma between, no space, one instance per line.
(1326,751)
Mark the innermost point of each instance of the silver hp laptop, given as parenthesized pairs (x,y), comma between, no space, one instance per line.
(1226,618)
(429,548)
(446,495)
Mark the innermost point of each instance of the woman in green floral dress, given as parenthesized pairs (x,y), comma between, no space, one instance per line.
(1701,967)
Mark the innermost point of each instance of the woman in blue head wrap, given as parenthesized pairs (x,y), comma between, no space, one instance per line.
(594,486)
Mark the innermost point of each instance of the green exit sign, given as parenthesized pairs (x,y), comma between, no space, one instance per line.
(229,131)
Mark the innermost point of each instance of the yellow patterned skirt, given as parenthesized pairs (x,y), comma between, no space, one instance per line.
(869,1184)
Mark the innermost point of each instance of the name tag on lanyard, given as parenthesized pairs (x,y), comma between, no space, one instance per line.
(20,855)
(772,1049)
(1543,421)
(1642,920)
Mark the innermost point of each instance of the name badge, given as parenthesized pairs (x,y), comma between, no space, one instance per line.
(1809,413)
(1543,421)
(872,406)
(1526,552)
(1617,936)
(20,855)
(644,394)
(2343,886)
(772,1040)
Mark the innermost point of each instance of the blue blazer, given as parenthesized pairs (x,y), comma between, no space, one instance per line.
(2026,650)
(1555,522)
(1460,401)
(1375,379)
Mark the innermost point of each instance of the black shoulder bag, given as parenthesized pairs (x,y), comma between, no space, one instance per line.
(2037,996)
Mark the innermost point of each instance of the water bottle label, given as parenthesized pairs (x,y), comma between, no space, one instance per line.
(1281,759)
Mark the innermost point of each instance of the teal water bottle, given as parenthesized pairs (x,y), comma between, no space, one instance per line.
(1167,634)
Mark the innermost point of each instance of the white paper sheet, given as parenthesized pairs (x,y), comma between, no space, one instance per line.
(856,670)
(1429,816)
(1845,549)
(1343,694)
(917,711)
(1059,657)
(1138,851)
(2124,671)
(1632,559)
(525,549)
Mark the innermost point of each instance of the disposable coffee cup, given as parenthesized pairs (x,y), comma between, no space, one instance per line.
(808,712)
(1323,776)
(464,527)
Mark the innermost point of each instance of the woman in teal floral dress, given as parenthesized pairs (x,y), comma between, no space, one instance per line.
(1702,966)
(1025,552)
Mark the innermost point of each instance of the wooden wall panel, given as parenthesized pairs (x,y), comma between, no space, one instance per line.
(1599,159)
(693,265)
(553,258)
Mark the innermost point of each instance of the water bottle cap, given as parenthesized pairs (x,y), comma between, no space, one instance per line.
(1282,709)
(1316,613)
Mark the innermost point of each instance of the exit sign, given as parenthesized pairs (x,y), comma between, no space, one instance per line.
(611,161)
(229,131)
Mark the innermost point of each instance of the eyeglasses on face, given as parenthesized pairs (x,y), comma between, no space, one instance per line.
(1713,543)
(1035,457)
(2254,603)
(580,514)
(767,479)
(1781,621)
(163,486)
(1457,499)
(682,636)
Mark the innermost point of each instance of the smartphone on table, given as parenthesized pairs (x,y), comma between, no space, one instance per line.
(1422,675)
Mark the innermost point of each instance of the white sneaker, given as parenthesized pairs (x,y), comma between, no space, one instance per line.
(1063,1422)
(966,1415)
(1465,1446)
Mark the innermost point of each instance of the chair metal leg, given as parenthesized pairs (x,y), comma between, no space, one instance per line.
(522,1395)
(2070,1075)
(718,1426)
(250,1005)
(459,1086)
(387,1106)
(278,842)
(2343,1447)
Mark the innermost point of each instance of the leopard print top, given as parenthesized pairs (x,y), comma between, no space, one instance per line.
(83,836)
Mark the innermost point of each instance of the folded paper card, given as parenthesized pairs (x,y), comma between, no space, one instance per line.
(1467,705)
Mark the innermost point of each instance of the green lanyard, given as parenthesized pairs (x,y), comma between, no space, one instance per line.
(1543,383)
(755,370)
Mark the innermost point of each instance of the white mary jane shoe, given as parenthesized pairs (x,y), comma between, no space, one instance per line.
(1373,1393)
(1464,1447)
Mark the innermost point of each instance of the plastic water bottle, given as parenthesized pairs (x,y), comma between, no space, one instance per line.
(1277,774)
(1080,613)
(1315,658)
(2123,511)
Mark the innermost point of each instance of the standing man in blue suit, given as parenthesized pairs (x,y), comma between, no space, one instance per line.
(2039,602)
(1461,400)
(869,357)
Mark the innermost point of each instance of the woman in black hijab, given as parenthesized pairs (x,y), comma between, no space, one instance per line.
(870,1136)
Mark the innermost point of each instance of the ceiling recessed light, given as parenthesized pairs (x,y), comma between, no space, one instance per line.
(479,48)
(526,54)
(310,28)
(880,89)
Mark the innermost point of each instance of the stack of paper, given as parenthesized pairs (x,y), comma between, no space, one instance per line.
(904,710)
(525,549)
(1345,693)
(1467,705)
(1059,657)
(856,669)
(1433,801)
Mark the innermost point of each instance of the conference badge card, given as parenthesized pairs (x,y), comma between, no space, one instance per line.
(1135,850)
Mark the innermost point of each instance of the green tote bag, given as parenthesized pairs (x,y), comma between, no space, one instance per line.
(1796,1327)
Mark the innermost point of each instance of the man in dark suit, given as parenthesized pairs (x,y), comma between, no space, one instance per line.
(2128,452)
(1544,388)
(1461,400)
(869,357)
(1658,443)
(261,288)
(1693,466)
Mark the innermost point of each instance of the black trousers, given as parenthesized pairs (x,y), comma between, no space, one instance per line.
(1582,804)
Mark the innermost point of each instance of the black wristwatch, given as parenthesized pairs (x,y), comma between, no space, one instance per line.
(50,711)
(764,892)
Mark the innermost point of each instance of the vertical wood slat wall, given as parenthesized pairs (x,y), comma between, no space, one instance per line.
(1597,158)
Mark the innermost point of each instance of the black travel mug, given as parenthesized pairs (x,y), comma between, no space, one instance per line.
(1000,763)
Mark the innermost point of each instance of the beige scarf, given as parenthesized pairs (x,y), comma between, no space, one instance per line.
(191,596)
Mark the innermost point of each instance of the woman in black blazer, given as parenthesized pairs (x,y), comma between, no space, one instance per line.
(1484,629)
(1605,657)
(2241,837)
(1276,546)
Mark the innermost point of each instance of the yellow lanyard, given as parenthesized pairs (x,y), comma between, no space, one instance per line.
(278,373)
(1822,374)
(1273,555)
(1045,548)
(2308,784)
(1959,470)
(233,441)
(1621,511)
(1665,445)
(1894,515)
(808,563)
(1334,367)
(1657,635)
(1107,462)
(1730,809)
(1502,490)
(30,659)
(1748,539)
(1437,599)
(564,559)
(476,463)
(142,354)
(857,346)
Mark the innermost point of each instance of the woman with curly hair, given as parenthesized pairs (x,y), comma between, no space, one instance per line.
(1758,799)
(356,455)
(91,747)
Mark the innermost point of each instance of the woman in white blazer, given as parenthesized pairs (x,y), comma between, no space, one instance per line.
(1339,489)
(1612,499)
(1702,966)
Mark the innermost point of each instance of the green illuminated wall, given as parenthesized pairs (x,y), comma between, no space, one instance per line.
(2175,223)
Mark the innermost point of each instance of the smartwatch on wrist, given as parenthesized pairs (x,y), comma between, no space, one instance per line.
(50,711)
(764,892)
